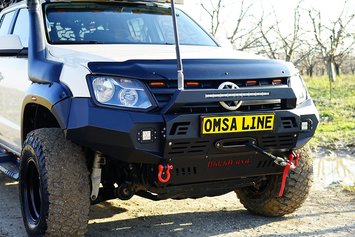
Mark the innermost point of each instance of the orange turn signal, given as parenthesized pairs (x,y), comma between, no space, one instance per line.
(157,83)
(276,81)
(251,83)
(192,83)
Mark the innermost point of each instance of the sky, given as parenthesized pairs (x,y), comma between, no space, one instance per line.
(329,9)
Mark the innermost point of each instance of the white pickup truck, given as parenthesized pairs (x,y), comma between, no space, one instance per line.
(96,104)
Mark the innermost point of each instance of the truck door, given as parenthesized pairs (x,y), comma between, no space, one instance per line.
(13,79)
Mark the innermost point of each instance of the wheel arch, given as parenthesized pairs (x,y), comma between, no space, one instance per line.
(40,110)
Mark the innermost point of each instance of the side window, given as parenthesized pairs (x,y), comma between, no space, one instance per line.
(5,23)
(22,27)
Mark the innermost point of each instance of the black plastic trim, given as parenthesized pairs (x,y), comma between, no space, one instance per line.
(14,19)
(48,96)
(20,53)
(10,52)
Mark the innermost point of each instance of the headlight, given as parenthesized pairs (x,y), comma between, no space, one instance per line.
(298,86)
(120,92)
(104,89)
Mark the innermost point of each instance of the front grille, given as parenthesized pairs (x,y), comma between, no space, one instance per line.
(266,163)
(164,94)
(217,108)
(277,142)
(193,148)
(186,171)
(288,122)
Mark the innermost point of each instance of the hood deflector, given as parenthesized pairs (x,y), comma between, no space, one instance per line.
(194,69)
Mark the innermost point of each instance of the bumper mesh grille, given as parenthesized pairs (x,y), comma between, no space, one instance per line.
(281,141)
(165,93)
(193,148)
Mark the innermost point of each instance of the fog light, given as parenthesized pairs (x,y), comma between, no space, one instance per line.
(147,135)
(305,126)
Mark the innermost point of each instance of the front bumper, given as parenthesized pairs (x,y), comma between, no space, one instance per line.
(117,133)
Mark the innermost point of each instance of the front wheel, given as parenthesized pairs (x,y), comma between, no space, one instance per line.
(263,199)
(54,185)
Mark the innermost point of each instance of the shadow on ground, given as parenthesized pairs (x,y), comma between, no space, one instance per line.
(198,223)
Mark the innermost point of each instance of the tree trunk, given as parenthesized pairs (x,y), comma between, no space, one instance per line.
(337,69)
(310,71)
(331,70)
(288,58)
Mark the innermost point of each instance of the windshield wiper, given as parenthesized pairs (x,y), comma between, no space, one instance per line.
(78,42)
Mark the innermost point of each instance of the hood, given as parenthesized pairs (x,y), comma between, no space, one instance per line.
(158,62)
(84,53)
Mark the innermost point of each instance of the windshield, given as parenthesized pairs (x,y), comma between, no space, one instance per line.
(119,23)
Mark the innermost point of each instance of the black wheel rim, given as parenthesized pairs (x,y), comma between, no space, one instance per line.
(32,194)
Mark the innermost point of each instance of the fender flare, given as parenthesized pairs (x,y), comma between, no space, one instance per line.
(48,95)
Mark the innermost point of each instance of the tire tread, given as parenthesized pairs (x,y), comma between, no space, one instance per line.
(297,187)
(65,180)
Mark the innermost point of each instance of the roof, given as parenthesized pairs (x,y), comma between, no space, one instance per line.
(152,1)
(6,3)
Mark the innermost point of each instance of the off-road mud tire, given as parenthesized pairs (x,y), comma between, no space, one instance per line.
(265,201)
(62,199)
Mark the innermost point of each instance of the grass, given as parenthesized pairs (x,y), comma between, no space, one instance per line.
(337,127)
(350,189)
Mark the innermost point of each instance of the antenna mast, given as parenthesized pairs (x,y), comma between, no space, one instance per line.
(180,69)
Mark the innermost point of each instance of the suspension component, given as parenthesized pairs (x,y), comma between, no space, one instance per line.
(125,191)
(99,160)
(164,171)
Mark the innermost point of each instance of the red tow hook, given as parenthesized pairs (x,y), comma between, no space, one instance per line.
(164,170)
(289,165)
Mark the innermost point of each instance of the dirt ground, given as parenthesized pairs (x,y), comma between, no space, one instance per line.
(327,212)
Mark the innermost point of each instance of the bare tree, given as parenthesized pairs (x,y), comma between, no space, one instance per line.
(308,59)
(244,35)
(348,64)
(265,34)
(340,58)
(280,42)
(269,46)
(333,39)
(5,3)
(214,14)
(351,64)
(290,41)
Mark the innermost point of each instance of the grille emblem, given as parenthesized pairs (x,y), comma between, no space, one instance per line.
(229,105)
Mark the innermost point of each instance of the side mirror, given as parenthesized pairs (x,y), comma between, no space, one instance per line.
(10,45)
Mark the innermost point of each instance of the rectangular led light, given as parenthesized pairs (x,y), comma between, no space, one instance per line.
(146,135)
(304,126)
